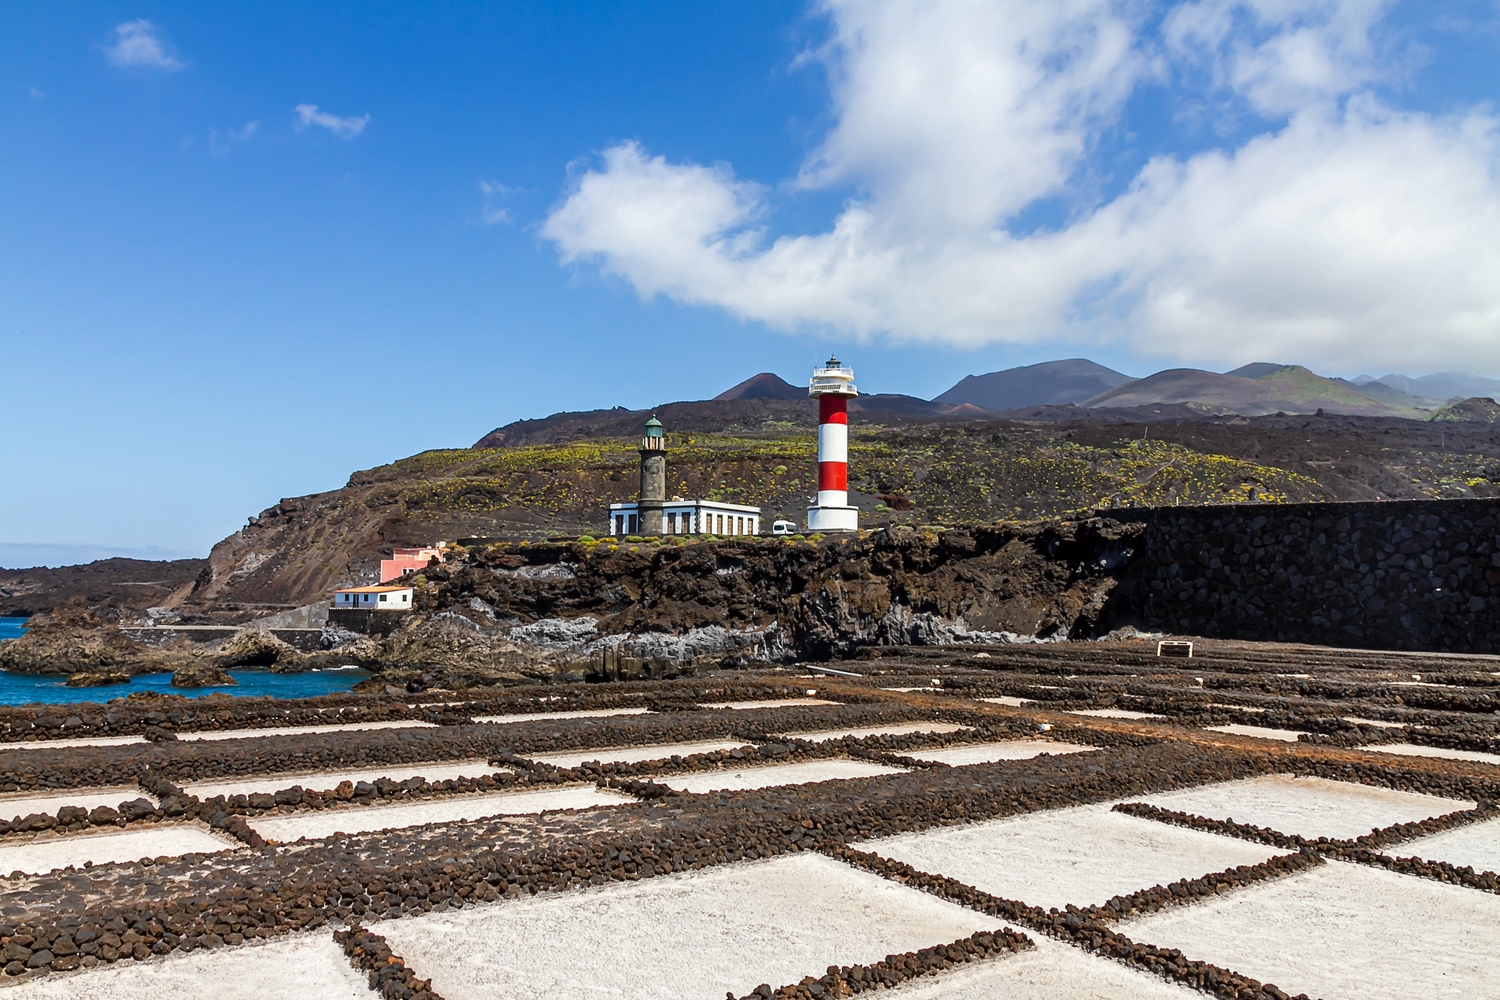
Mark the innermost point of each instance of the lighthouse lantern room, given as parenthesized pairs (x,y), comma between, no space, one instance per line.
(833,386)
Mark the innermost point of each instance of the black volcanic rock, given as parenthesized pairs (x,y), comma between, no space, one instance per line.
(1056,383)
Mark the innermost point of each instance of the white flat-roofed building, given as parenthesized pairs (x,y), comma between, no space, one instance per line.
(689,517)
(373,599)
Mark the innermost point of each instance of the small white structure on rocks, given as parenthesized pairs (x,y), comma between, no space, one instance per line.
(373,599)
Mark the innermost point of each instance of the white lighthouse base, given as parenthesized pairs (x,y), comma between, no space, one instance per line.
(825,519)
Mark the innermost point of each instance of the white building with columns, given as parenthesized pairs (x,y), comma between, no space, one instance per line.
(689,517)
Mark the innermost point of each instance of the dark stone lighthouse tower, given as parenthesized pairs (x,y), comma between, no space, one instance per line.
(653,478)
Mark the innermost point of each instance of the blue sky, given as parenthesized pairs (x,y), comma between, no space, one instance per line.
(245,250)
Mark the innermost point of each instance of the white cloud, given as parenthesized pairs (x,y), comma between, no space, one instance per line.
(138,44)
(220,140)
(344,128)
(1283,55)
(491,214)
(1345,233)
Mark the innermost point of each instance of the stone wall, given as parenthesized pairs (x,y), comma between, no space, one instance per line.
(1415,575)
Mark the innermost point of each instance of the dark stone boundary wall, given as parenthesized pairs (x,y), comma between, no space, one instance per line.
(134,910)
(1360,850)
(1411,574)
(1087,928)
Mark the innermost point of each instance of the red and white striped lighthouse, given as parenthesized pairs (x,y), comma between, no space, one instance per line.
(833,386)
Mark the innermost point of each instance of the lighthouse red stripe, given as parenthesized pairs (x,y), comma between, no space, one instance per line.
(833,410)
(833,475)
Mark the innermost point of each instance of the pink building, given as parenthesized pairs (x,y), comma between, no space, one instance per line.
(404,561)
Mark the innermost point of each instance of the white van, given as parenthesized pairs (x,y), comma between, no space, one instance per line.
(782,527)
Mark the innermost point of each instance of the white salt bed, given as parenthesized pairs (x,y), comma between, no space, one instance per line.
(49,853)
(1308,807)
(897,729)
(1413,750)
(26,803)
(1476,845)
(1377,723)
(1259,732)
(82,741)
(587,713)
(1237,708)
(341,727)
(776,775)
(989,753)
(783,703)
(1010,700)
(689,936)
(1050,971)
(1082,855)
(445,809)
(285,968)
(633,755)
(1344,930)
(322,780)
(1114,713)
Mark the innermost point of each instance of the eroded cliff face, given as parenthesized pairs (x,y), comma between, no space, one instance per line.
(825,599)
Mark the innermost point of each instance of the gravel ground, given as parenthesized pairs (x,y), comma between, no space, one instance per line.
(1309,807)
(1476,845)
(1377,723)
(1082,855)
(680,937)
(1115,713)
(288,968)
(989,753)
(598,713)
(1050,971)
(1413,750)
(320,780)
(775,775)
(783,703)
(26,803)
(447,809)
(633,755)
(1344,930)
(49,853)
(339,727)
(895,729)
(82,741)
(1259,732)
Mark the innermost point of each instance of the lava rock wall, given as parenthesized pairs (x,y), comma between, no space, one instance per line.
(1412,575)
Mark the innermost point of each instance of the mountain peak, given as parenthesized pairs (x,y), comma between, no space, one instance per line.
(763,386)
(1051,382)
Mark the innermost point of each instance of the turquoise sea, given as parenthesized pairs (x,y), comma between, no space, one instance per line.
(22,689)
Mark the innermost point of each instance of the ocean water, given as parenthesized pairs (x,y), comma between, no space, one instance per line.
(21,689)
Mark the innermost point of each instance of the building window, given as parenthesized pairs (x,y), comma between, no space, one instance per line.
(721,524)
(633,524)
(382,598)
(672,523)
